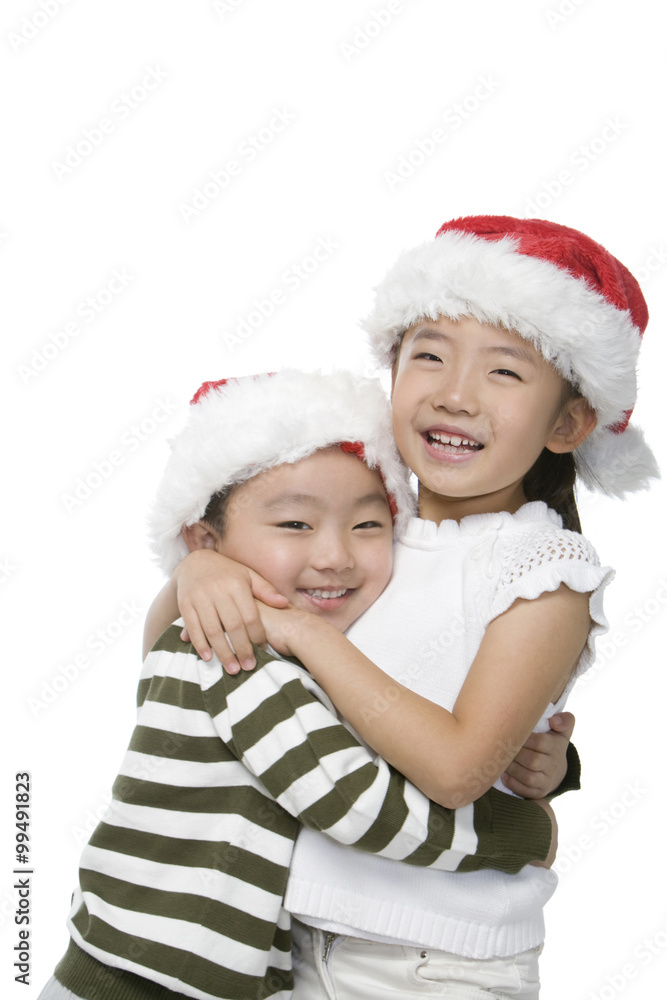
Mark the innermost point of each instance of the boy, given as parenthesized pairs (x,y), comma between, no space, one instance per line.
(181,885)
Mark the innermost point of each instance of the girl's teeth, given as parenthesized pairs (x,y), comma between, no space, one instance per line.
(454,440)
(326,594)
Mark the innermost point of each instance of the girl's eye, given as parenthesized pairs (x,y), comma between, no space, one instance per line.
(368,524)
(294,525)
(506,371)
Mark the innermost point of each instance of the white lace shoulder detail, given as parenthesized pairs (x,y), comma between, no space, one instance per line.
(536,547)
(537,558)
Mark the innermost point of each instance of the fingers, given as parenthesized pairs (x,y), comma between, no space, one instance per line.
(266,592)
(215,598)
(231,644)
(525,781)
(196,633)
(563,723)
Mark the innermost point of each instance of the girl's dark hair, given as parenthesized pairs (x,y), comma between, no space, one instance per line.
(552,480)
(553,476)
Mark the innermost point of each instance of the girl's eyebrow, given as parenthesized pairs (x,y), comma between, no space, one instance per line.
(520,353)
(509,350)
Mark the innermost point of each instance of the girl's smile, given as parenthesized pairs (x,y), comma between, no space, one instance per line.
(450,444)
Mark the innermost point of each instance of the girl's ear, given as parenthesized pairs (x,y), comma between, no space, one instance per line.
(200,536)
(575,423)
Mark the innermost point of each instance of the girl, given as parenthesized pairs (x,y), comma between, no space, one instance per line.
(513,346)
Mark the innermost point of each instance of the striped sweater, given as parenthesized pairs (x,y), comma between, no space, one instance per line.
(181,884)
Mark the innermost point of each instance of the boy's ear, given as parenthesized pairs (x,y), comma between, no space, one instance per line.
(575,423)
(199,536)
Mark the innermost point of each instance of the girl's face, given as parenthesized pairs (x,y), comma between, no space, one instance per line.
(319,530)
(473,407)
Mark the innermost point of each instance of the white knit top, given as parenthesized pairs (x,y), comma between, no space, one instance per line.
(450,580)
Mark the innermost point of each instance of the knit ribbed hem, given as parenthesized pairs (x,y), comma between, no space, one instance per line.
(92,980)
(388,920)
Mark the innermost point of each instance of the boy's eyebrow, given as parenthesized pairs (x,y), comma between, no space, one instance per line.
(291,500)
(283,500)
(377,497)
(425,333)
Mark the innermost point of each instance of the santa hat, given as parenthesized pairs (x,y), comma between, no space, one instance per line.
(239,427)
(555,287)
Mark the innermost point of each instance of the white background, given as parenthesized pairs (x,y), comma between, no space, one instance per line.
(541,95)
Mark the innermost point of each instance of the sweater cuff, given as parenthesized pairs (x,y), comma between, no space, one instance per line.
(512,832)
(572,780)
(87,978)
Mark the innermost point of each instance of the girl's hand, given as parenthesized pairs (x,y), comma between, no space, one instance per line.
(541,764)
(216,597)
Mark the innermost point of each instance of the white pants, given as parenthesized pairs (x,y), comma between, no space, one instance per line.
(333,967)
(54,991)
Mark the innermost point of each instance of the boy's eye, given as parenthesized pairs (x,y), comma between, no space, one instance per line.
(294,525)
(506,371)
(426,356)
(369,524)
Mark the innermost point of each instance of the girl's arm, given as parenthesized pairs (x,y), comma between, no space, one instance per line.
(206,584)
(524,662)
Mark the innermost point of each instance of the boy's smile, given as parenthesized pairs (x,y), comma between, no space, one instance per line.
(473,408)
(320,530)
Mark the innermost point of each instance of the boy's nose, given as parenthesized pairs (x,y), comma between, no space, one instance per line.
(332,553)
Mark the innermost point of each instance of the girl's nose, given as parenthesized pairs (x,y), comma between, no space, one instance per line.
(457,391)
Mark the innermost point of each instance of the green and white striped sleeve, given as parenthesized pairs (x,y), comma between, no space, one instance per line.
(277,722)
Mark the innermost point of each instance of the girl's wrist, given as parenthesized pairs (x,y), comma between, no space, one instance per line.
(305,633)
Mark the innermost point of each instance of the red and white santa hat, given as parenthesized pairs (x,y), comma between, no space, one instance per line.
(239,427)
(555,287)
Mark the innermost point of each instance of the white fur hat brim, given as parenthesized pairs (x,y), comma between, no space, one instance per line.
(248,425)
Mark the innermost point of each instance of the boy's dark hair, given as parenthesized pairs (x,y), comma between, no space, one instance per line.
(216,510)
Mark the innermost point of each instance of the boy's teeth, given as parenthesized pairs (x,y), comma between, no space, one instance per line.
(327,594)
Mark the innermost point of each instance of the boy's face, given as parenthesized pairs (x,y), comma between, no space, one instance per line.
(473,407)
(319,530)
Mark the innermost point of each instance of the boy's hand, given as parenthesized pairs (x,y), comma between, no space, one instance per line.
(541,764)
(216,597)
(551,857)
